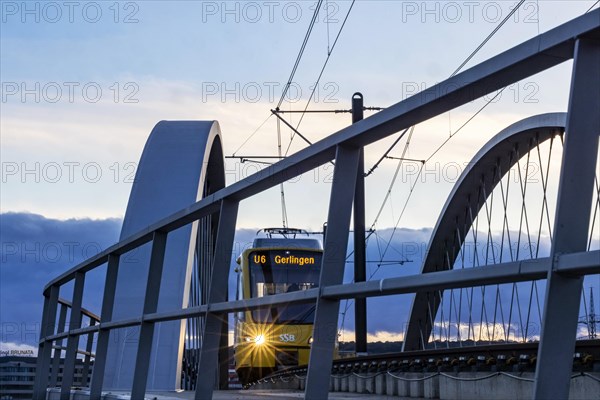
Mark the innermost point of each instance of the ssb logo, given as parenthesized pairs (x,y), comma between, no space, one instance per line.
(287,337)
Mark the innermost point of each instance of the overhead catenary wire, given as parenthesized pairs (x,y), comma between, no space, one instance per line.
(278,109)
(283,94)
(465,124)
(386,154)
(284,216)
(329,52)
(292,73)
(327,111)
(252,134)
(460,67)
(593,5)
(300,53)
(459,129)
(496,29)
(394,178)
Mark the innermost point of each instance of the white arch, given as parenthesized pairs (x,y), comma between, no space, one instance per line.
(181,162)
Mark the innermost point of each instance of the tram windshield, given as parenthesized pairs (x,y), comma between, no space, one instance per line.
(283,271)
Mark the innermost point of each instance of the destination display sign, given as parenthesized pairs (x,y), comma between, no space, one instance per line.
(285,258)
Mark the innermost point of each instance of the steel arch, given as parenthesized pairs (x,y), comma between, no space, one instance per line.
(182,162)
(481,172)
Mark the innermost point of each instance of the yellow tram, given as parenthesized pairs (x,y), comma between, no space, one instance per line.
(278,337)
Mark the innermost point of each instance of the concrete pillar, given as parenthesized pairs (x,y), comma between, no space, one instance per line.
(337,384)
(449,388)
(369,385)
(352,383)
(361,384)
(391,385)
(584,387)
(403,386)
(493,388)
(345,383)
(431,387)
(416,386)
(380,383)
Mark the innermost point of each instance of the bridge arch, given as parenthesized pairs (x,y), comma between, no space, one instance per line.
(182,162)
(485,171)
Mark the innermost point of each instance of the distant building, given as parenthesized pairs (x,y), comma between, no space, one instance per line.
(17,375)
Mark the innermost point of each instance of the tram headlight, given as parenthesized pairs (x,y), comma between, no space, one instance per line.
(256,339)
(259,339)
(310,340)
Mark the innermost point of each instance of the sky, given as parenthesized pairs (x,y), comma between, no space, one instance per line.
(83,83)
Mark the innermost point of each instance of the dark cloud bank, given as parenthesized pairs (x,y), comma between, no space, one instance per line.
(35,249)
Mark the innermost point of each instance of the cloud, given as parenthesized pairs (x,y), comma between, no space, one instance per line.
(34,250)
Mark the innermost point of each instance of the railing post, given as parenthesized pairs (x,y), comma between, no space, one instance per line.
(211,337)
(62,319)
(571,224)
(87,358)
(72,340)
(142,360)
(45,347)
(332,271)
(108,301)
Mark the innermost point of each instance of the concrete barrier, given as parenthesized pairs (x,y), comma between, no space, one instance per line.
(365,384)
(352,383)
(337,383)
(302,382)
(391,385)
(403,385)
(479,385)
(431,387)
(485,385)
(417,384)
(585,387)
(380,383)
(345,385)
(444,386)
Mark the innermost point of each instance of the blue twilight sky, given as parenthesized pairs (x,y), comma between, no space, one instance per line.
(83,83)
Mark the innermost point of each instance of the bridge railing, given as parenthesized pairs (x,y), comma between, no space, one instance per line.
(58,347)
(579,36)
